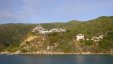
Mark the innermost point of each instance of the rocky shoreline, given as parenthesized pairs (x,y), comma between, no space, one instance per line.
(52,53)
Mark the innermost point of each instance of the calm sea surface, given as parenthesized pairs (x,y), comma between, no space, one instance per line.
(56,59)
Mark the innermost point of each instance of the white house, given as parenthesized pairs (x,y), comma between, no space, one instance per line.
(41,30)
(45,32)
(62,30)
(80,37)
(57,30)
(51,31)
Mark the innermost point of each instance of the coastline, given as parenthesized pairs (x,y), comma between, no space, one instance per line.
(58,53)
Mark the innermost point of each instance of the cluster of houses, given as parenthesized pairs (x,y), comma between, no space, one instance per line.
(42,30)
(94,38)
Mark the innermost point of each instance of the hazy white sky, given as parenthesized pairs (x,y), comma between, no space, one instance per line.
(43,11)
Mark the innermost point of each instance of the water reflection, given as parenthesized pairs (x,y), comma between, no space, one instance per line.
(56,59)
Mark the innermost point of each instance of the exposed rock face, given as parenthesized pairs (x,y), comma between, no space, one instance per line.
(33,44)
(28,40)
(18,52)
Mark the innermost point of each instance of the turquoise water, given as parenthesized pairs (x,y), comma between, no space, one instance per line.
(56,59)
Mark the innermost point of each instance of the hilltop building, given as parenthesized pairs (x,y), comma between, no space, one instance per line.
(38,29)
(57,30)
(42,30)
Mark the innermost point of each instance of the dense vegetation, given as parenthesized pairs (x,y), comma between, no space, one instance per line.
(11,35)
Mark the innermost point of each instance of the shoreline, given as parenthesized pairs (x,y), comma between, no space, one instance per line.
(55,53)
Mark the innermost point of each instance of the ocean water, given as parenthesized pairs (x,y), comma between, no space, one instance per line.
(56,59)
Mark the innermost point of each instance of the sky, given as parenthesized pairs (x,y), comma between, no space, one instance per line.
(47,11)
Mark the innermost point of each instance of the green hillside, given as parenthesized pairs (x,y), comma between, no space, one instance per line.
(13,34)
(97,26)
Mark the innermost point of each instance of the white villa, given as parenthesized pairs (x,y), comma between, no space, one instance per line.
(45,32)
(57,30)
(80,37)
(41,30)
